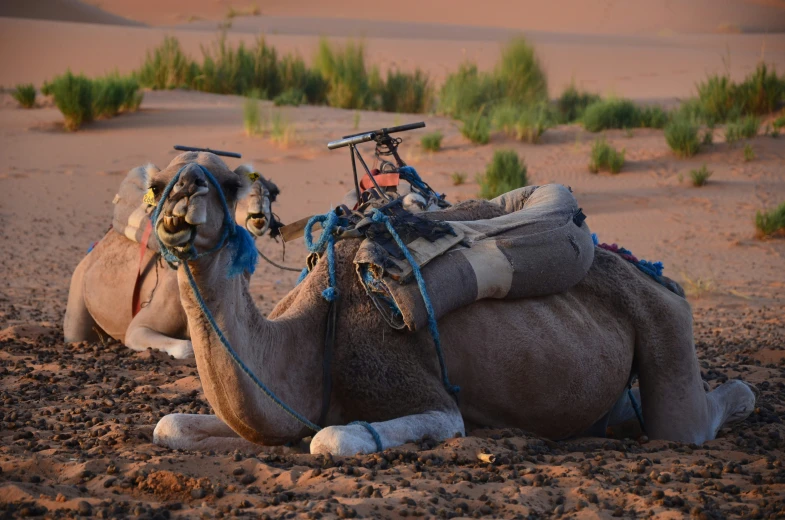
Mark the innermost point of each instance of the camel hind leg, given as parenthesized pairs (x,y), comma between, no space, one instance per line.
(78,324)
(675,405)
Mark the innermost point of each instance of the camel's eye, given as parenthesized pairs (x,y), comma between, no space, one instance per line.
(156,188)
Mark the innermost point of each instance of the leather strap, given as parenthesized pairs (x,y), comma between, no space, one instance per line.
(384,180)
(136,304)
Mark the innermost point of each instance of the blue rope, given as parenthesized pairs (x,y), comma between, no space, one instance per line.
(325,243)
(409,174)
(376,438)
(240,256)
(636,408)
(378,216)
(302,276)
(225,342)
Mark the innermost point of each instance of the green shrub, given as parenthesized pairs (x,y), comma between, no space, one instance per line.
(605,157)
(294,75)
(344,70)
(73,96)
(226,70)
(682,137)
(748,127)
(700,176)
(506,172)
(458,178)
(611,113)
(520,74)
(432,142)
(477,127)
(525,123)
(291,97)
(770,223)
(572,104)
(716,96)
(467,90)
(722,100)
(652,117)
(761,91)
(167,67)
(708,137)
(25,95)
(779,122)
(407,93)
(749,153)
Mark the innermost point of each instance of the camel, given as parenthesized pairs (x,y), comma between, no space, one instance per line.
(551,365)
(100,295)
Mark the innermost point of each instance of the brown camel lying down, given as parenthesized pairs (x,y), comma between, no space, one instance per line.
(102,285)
(551,365)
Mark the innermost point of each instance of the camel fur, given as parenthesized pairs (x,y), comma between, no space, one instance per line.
(551,365)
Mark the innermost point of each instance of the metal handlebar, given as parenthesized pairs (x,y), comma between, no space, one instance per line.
(216,152)
(364,137)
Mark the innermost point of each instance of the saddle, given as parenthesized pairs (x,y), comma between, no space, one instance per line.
(529,242)
(132,209)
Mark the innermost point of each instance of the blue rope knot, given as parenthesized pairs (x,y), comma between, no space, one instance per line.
(376,438)
(378,216)
(325,243)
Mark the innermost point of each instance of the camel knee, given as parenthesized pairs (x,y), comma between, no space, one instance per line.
(730,402)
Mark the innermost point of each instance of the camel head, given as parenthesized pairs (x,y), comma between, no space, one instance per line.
(197,207)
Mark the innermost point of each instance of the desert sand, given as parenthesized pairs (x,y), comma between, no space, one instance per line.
(76,421)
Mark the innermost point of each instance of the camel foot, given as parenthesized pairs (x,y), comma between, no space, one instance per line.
(354,438)
(180,349)
(730,402)
(180,431)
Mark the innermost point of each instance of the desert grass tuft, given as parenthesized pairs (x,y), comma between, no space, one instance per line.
(572,104)
(24,94)
(605,158)
(458,178)
(749,153)
(771,223)
(252,119)
(520,74)
(523,122)
(700,176)
(167,67)
(432,141)
(291,97)
(282,131)
(506,172)
(73,96)
(347,78)
(682,137)
(477,127)
(465,91)
(409,93)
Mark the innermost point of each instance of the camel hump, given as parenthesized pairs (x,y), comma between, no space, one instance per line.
(132,205)
(529,242)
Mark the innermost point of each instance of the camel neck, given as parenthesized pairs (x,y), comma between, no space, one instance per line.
(275,351)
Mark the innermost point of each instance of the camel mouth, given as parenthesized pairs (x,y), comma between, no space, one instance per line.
(256,224)
(175,231)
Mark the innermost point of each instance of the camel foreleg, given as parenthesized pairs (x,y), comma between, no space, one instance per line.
(78,324)
(181,431)
(139,337)
(355,438)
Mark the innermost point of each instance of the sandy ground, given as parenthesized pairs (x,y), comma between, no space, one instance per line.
(76,420)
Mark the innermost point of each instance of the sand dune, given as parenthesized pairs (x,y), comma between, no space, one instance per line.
(639,67)
(581,16)
(61,10)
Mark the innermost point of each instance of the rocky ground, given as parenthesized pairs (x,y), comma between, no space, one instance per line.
(77,422)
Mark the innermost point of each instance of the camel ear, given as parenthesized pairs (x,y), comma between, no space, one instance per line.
(149,170)
(246,174)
